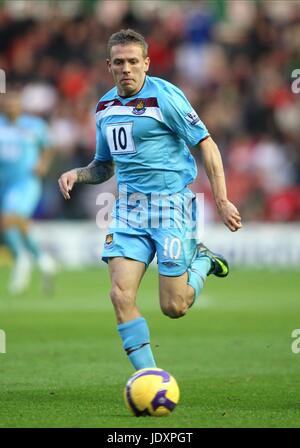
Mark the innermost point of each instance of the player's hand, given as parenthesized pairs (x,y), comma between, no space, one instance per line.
(66,182)
(230,216)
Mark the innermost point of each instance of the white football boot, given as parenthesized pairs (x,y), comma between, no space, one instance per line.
(21,274)
(49,269)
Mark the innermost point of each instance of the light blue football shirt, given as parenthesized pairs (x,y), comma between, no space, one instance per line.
(148,137)
(21,143)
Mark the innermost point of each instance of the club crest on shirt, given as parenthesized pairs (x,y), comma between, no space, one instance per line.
(109,239)
(140,107)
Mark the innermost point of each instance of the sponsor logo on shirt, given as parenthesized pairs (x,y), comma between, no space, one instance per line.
(192,117)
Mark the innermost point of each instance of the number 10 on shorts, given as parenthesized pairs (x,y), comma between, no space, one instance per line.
(172,248)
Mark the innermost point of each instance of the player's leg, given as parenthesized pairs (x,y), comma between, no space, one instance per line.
(126,275)
(19,203)
(183,265)
(27,195)
(32,190)
(43,260)
(129,252)
(175,295)
(178,293)
(181,273)
(12,238)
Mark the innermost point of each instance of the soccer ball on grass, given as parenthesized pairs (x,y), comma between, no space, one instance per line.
(151,391)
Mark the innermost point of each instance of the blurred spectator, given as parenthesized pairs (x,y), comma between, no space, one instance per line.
(233,59)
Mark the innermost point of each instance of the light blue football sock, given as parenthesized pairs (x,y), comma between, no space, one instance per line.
(13,240)
(136,342)
(197,274)
(32,246)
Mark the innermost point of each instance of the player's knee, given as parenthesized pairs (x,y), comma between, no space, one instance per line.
(121,298)
(174,309)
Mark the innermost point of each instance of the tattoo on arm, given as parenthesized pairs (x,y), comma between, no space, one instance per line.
(95,173)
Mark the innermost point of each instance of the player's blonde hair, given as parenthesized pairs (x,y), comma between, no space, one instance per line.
(125,37)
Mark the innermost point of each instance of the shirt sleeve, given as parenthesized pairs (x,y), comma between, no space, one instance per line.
(181,118)
(102,149)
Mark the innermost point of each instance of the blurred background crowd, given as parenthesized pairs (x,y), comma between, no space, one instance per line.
(233,59)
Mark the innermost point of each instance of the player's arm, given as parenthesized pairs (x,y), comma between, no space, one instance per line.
(45,144)
(214,169)
(44,163)
(94,173)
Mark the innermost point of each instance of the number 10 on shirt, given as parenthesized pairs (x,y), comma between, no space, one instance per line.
(120,139)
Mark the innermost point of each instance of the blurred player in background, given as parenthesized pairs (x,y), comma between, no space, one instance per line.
(145,126)
(25,156)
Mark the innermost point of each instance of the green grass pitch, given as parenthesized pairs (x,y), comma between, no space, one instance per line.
(231,354)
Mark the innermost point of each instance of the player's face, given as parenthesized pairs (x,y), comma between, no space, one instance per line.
(12,105)
(128,67)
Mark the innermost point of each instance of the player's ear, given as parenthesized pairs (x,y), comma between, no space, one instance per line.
(108,63)
(147,64)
